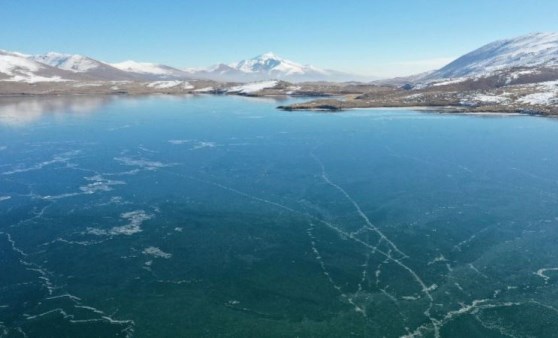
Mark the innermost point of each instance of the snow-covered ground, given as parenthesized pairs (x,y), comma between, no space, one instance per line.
(31,78)
(544,98)
(546,94)
(143,68)
(472,100)
(252,87)
(169,84)
(204,90)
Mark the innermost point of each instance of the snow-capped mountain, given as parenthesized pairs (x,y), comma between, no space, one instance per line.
(269,66)
(274,65)
(76,67)
(22,68)
(151,69)
(518,60)
(86,67)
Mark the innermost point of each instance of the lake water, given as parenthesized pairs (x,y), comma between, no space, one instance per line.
(223,216)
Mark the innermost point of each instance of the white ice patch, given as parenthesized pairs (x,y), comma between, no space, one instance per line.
(201,145)
(542,273)
(156,252)
(141,163)
(178,142)
(440,258)
(60,158)
(5,198)
(99,183)
(252,87)
(195,144)
(135,220)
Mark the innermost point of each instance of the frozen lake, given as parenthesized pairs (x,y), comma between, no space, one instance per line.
(222,216)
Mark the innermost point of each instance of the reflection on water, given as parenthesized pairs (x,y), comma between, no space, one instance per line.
(18,111)
(15,111)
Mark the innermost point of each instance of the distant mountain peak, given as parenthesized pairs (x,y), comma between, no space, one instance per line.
(271,65)
(268,55)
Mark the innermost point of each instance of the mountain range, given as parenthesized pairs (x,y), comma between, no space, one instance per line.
(58,67)
(269,66)
(528,58)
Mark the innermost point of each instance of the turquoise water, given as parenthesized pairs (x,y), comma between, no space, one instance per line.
(222,216)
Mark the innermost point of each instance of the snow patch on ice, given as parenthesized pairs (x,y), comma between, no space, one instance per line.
(135,220)
(201,145)
(99,183)
(178,142)
(141,163)
(156,252)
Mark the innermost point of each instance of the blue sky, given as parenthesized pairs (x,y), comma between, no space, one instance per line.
(373,37)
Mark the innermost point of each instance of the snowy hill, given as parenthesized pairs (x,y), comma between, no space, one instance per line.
(151,69)
(73,63)
(529,55)
(85,66)
(21,68)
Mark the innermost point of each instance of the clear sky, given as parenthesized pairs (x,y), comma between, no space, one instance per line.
(372,37)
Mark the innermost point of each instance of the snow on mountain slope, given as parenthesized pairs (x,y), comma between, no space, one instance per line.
(149,69)
(252,87)
(11,63)
(73,63)
(269,63)
(20,68)
(269,66)
(85,67)
(532,50)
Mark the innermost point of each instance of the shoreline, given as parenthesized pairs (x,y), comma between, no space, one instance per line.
(333,106)
(435,109)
